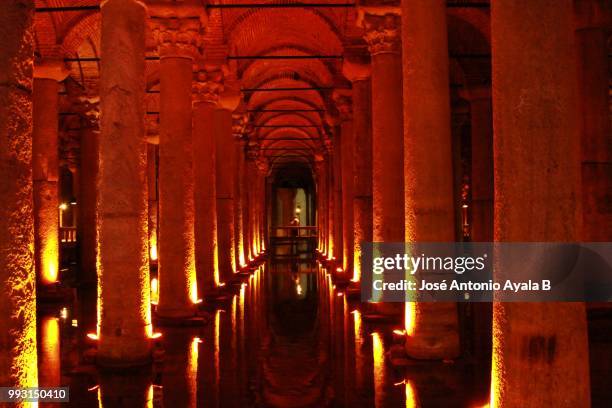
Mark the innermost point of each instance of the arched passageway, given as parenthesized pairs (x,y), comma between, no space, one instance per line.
(188,188)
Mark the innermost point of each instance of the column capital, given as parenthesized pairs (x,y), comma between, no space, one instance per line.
(343,99)
(382,29)
(51,69)
(239,124)
(356,62)
(207,86)
(88,108)
(177,36)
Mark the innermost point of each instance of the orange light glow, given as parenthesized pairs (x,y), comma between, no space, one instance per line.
(50,375)
(93,336)
(378,354)
(153,251)
(156,335)
(411,400)
(64,313)
(154,291)
(356,264)
(399,332)
(410,318)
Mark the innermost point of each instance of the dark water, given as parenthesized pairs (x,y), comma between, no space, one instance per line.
(287,338)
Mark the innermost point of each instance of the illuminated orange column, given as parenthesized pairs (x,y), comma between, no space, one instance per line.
(596,139)
(432,328)
(177,275)
(336,179)
(238,196)
(537,198)
(88,195)
(224,147)
(152,164)
(331,221)
(246,202)
(206,88)
(18,361)
(382,33)
(124,315)
(321,203)
(344,104)
(251,177)
(45,169)
(358,72)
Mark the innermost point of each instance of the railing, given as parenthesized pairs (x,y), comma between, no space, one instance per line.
(291,231)
(68,235)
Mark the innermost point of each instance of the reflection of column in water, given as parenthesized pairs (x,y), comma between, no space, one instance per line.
(378,354)
(133,390)
(49,371)
(411,399)
(217,352)
(192,370)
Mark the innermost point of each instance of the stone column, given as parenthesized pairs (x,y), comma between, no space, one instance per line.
(344,104)
(18,361)
(382,33)
(152,165)
(331,239)
(321,203)
(336,177)
(246,201)
(124,315)
(206,88)
(482,164)
(596,132)
(358,72)
(45,168)
(238,192)
(88,195)
(224,147)
(432,328)
(177,37)
(537,190)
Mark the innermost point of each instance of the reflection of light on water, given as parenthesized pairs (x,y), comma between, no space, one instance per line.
(49,376)
(410,318)
(378,354)
(154,291)
(411,401)
(217,346)
(192,370)
(150,397)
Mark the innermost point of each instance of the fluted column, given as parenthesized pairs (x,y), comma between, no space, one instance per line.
(45,168)
(18,361)
(358,72)
(124,315)
(432,328)
(382,33)
(177,39)
(207,86)
(537,176)
(344,104)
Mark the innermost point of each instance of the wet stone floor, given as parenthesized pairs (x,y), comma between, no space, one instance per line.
(286,338)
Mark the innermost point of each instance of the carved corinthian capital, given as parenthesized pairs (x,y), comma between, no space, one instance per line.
(382,32)
(344,104)
(177,37)
(207,86)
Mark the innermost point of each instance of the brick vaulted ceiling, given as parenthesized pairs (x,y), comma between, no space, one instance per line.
(293,125)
